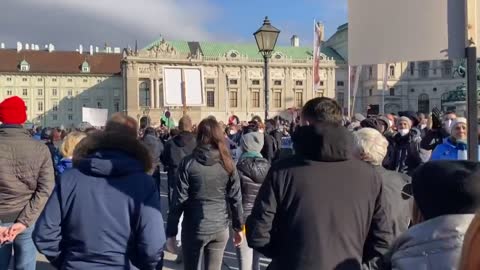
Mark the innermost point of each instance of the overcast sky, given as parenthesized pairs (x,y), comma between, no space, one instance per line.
(68,23)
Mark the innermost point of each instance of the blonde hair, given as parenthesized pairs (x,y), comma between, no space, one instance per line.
(371,145)
(471,244)
(70,142)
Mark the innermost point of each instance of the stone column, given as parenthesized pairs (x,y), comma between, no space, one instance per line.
(157,87)
(289,94)
(152,93)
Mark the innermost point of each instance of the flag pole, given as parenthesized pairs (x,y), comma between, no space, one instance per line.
(349,92)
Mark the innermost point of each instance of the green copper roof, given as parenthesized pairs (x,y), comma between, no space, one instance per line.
(215,49)
(24,62)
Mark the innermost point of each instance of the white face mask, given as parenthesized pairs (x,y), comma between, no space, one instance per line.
(233,132)
(403,132)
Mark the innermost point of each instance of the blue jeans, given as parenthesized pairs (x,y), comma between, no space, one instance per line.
(25,257)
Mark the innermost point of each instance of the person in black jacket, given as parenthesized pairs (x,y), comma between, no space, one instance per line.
(271,145)
(317,209)
(155,147)
(439,130)
(207,189)
(252,168)
(406,155)
(175,150)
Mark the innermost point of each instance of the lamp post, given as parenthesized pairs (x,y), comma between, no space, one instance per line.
(266,38)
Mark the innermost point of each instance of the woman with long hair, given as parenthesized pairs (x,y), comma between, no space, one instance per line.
(207,190)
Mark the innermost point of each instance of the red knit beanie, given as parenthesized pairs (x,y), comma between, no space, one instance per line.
(13,111)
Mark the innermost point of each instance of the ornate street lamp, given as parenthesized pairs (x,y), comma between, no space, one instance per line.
(266,38)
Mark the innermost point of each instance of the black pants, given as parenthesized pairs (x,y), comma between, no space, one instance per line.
(210,248)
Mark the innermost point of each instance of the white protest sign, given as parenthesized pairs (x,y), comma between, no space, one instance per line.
(388,31)
(96,117)
(191,78)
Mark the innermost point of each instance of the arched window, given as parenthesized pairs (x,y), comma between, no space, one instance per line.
(392,71)
(144,95)
(423,103)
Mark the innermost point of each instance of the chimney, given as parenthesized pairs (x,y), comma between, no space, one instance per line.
(2,45)
(37,47)
(51,48)
(96,50)
(91,49)
(19,46)
(295,41)
(80,49)
(32,46)
(117,50)
(46,46)
(108,49)
(27,46)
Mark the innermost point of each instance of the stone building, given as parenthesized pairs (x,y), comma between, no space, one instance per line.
(233,78)
(57,84)
(413,86)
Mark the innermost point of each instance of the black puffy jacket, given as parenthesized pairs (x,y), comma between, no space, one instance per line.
(406,155)
(252,171)
(205,193)
(175,150)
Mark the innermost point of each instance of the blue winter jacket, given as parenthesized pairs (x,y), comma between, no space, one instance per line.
(448,150)
(104,213)
(63,165)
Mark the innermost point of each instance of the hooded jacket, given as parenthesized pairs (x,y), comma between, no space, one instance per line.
(320,209)
(176,149)
(105,212)
(26,175)
(205,193)
(431,245)
(252,171)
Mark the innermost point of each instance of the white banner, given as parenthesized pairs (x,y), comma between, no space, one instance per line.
(96,117)
(179,79)
(388,31)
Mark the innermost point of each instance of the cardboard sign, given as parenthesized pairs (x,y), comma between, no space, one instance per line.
(96,117)
(388,31)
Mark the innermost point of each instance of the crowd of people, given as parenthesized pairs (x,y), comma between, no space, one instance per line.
(383,192)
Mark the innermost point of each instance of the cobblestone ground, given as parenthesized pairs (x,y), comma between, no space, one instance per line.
(229,259)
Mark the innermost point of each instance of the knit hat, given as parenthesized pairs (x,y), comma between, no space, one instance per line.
(252,142)
(13,111)
(359,117)
(447,187)
(406,119)
(412,116)
(384,121)
(459,120)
